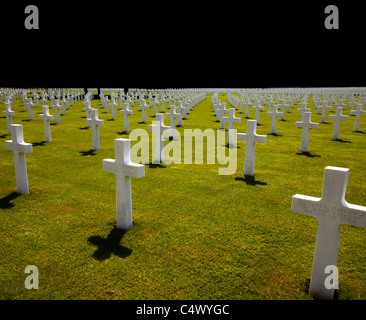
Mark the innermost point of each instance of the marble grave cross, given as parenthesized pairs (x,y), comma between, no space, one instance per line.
(57,107)
(257,108)
(251,137)
(9,113)
(19,148)
(143,108)
(126,113)
(94,122)
(124,169)
(172,115)
(358,113)
(331,210)
(306,125)
(46,117)
(303,109)
(158,127)
(337,124)
(31,105)
(231,119)
(274,114)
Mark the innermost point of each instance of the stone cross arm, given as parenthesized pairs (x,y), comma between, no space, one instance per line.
(347,214)
(128,169)
(332,206)
(122,164)
(18,144)
(251,135)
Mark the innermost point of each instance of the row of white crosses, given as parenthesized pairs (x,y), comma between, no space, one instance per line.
(251,137)
(337,117)
(331,209)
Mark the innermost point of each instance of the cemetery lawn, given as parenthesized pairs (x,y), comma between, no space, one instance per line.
(196,234)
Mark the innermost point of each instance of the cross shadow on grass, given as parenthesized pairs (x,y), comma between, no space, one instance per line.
(275,134)
(122,132)
(110,245)
(230,146)
(250,181)
(341,140)
(3,136)
(156,165)
(90,152)
(5,202)
(358,131)
(83,128)
(308,154)
(39,144)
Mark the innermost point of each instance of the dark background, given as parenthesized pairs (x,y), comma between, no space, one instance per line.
(171,44)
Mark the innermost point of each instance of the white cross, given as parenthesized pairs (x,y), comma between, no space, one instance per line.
(352,103)
(338,117)
(251,137)
(143,108)
(274,114)
(257,108)
(36,99)
(19,148)
(223,111)
(241,102)
(9,113)
(172,116)
(63,105)
(331,210)
(217,110)
(341,104)
(25,102)
(94,122)
(124,169)
(106,104)
(358,113)
(114,105)
(31,105)
(158,127)
(46,117)
(324,108)
(181,111)
(57,107)
(283,106)
(44,101)
(303,109)
(247,104)
(163,100)
(126,112)
(155,103)
(270,103)
(231,120)
(306,125)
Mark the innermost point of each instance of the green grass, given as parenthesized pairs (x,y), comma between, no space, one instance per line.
(195,234)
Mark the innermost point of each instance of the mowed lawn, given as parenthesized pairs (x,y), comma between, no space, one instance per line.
(196,234)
